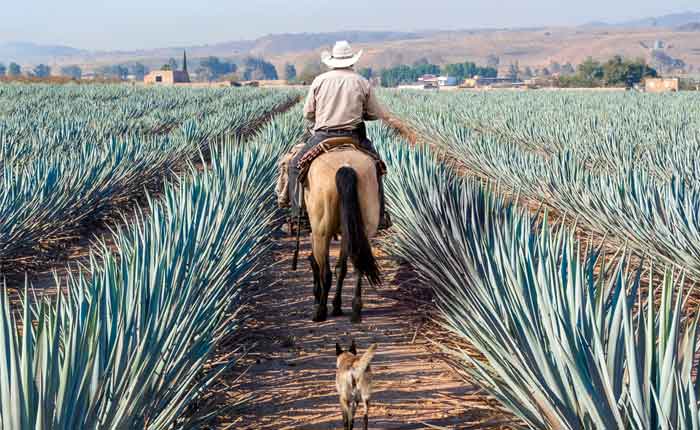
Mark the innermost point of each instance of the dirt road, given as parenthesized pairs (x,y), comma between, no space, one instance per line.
(292,367)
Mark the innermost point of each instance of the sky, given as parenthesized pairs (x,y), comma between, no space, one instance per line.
(142,24)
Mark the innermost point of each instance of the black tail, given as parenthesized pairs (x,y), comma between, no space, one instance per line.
(354,242)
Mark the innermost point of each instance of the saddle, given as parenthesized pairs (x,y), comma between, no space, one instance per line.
(335,144)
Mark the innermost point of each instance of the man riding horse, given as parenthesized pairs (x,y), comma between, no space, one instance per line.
(340,180)
(338,103)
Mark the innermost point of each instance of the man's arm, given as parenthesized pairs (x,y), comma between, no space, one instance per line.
(310,105)
(373,110)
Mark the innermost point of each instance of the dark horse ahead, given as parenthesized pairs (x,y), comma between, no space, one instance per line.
(342,197)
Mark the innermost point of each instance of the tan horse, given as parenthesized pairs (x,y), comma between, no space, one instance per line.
(342,197)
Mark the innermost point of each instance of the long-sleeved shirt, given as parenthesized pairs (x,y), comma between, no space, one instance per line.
(341,100)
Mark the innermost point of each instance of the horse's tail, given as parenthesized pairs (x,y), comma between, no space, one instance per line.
(355,243)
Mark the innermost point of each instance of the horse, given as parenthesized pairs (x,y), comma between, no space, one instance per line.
(341,193)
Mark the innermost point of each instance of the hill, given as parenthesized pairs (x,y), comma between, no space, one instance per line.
(27,52)
(534,47)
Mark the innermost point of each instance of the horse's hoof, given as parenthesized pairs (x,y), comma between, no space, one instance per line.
(320,314)
(337,312)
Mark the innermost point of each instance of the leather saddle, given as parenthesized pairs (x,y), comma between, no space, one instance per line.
(334,144)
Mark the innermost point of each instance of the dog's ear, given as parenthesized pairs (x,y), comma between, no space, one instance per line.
(338,349)
(353,347)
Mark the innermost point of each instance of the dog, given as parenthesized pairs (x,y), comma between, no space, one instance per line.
(353,379)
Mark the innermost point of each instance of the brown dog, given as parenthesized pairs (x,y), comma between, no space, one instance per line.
(353,379)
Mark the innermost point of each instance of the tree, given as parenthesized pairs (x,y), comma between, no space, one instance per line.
(309,72)
(73,72)
(166,67)
(138,70)
(259,69)
(366,72)
(116,71)
(212,68)
(172,63)
(14,69)
(590,70)
(3,69)
(527,73)
(568,69)
(42,71)
(514,71)
(290,72)
(493,61)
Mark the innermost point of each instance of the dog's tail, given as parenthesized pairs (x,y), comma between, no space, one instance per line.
(354,241)
(362,364)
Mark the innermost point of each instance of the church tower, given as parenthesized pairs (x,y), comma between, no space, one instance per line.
(184,61)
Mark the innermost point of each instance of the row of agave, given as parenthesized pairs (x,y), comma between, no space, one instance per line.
(607,130)
(125,345)
(639,190)
(51,118)
(51,194)
(565,337)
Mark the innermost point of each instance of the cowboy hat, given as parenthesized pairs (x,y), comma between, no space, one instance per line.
(342,56)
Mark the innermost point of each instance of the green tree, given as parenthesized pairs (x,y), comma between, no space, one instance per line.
(212,68)
(14,69)
(290,72)
(42,71)
(73,72)
(116,71)
(493,61)
(568,69)
(590,70)
(366,72)
(166,67)
(514,71)
(138,70)
(259,69)
(310,71)
(3,69)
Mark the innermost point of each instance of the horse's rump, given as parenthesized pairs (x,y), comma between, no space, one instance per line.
(321,194)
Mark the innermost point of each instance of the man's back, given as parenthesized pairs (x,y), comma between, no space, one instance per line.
(340,100)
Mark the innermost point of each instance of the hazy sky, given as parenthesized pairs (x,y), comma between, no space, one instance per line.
(129,24)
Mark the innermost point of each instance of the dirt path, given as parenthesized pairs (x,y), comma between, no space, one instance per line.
(292,367)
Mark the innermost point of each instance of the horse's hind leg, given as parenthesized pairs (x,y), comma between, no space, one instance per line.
(356,316)
(341,269)
(322,282)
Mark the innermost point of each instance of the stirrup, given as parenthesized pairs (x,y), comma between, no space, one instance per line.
(385,221)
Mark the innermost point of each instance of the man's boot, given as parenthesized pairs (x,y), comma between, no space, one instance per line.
(384,218)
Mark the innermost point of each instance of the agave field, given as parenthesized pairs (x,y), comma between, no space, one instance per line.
(72,155)
(562,335)
(114,351)
(565,330)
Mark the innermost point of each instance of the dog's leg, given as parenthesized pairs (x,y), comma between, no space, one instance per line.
(357,301)
(341,270)
(365,419)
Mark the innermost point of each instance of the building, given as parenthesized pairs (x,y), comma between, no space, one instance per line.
(482,82)
(169,77)
(661,85)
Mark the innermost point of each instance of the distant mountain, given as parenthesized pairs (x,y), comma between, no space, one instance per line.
(288,43)
(667,21)
(27,52)
(674,20)
(693,26)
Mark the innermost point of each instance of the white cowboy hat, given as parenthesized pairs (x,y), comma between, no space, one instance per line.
(342,56)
